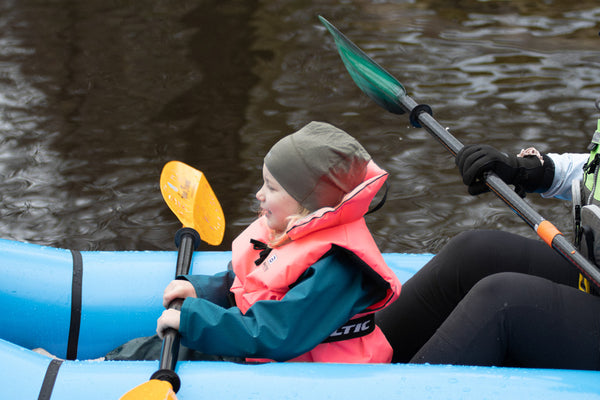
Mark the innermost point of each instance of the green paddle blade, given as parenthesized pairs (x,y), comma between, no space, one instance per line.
(372,79)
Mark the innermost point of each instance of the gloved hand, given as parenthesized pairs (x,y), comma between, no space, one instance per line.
(528,174)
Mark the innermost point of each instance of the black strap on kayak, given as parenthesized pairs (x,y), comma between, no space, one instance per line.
(49,379)
(75,305)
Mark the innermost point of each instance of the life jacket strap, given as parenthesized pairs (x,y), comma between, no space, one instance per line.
(265,250)
(382,201)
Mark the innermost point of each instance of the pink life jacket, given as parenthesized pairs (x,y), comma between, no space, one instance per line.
(310,238)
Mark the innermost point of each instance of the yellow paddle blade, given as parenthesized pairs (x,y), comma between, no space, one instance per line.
(188,194)
(154,389)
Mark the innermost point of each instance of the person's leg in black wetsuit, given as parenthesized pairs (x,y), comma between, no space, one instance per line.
(432,293)
(511,319)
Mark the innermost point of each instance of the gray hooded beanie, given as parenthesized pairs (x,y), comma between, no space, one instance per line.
(318,164)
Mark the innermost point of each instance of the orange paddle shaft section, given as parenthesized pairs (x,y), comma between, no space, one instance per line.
(547,232)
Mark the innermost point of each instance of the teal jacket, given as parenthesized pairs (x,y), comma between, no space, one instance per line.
(326,296)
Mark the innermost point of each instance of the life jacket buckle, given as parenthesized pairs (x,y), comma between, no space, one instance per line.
(590,167)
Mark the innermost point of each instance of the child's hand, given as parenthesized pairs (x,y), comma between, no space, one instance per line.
(178,289)
(168,319)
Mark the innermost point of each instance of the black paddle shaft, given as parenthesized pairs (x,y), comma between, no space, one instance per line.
(421,117)
(187,240)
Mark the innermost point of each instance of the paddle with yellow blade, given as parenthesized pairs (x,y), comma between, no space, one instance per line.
(188,194)
(388,93)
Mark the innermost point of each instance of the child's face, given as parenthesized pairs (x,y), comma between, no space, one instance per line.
(276,204)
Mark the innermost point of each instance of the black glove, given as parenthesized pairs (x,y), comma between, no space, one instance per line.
(526,173)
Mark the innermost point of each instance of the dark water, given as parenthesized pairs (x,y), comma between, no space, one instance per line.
(96,96)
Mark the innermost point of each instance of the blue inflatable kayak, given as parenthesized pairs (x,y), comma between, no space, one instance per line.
(80,305)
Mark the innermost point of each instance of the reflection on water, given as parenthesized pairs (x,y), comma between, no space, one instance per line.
(96,96)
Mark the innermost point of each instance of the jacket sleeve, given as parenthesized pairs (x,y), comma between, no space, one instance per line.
(326,296)
(214,288)
(567,166)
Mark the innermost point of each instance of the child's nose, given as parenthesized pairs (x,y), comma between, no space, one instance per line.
(259,194)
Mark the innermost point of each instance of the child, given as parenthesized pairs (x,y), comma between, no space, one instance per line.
(307,275)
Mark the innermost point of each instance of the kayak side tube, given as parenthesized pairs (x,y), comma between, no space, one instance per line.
(81,305)
(32,376)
